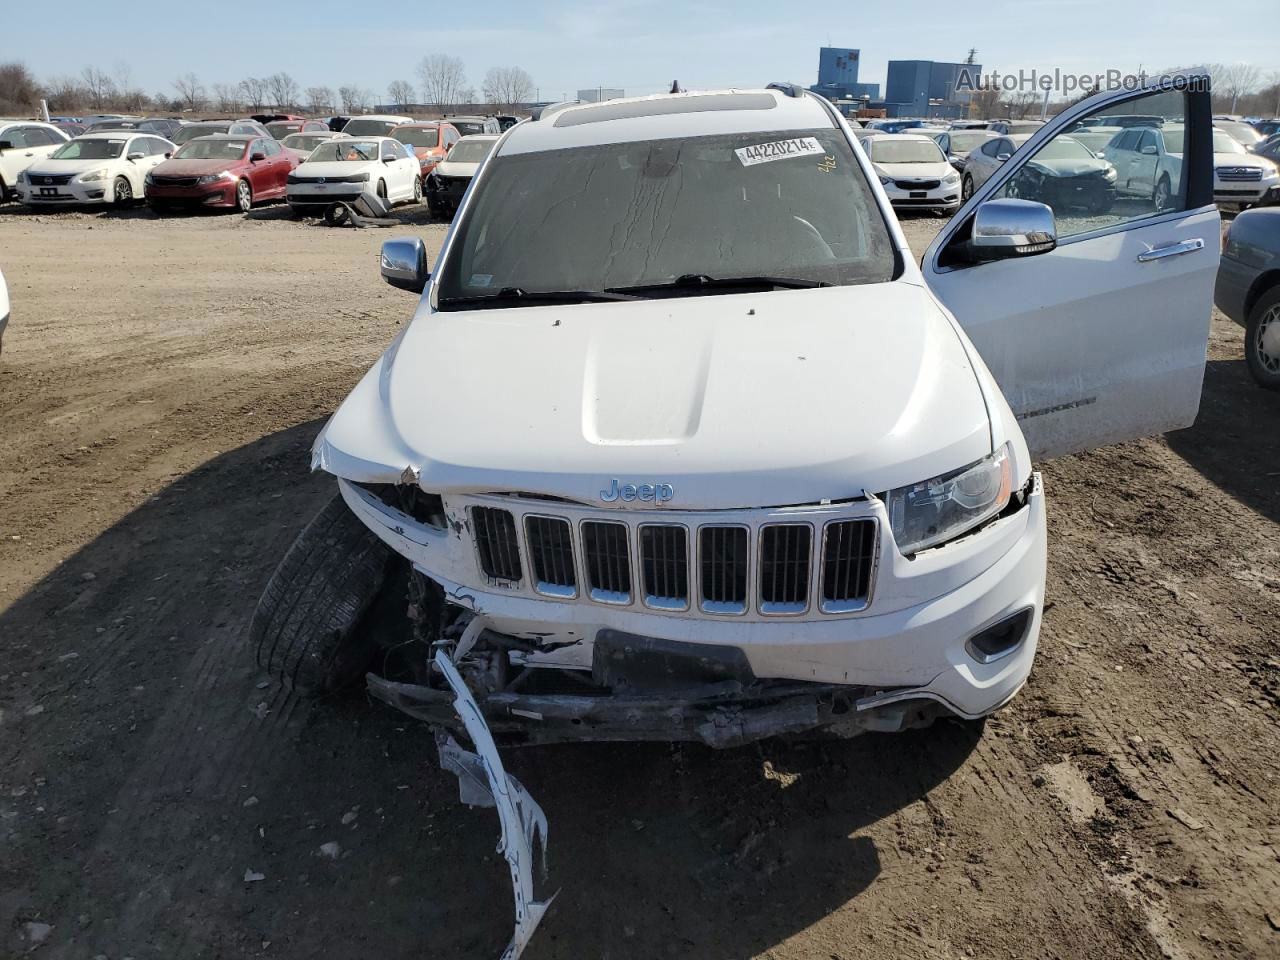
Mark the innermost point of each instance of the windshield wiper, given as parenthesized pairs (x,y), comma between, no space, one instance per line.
(700,281)
(518,296)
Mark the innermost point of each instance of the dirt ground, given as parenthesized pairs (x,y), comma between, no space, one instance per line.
(160,385)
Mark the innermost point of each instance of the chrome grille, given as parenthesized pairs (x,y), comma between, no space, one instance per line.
(848,558)
(664,566)
(495,534)
(607,561)
(723,552)
(551,556)
(50,180)
(785,555)
(1239,174)
(917,184)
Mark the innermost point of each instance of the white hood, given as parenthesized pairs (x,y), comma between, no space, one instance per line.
(737,400)
(57,168)
(337,168)
(915,171)
(456,169)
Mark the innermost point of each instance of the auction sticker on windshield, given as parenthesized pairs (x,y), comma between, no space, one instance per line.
(778,150)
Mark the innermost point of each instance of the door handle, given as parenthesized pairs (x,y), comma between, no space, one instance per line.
(1173,250)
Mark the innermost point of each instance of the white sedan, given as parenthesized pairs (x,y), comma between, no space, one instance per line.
(107,167)
(914,171)
(346,168)
(22,143)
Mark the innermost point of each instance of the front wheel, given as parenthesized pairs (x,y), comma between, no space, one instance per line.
(122,192)
(1161,198)
(417,189)
(1262,340)
(244,196)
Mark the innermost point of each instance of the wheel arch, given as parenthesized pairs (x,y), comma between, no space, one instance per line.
(1259,288)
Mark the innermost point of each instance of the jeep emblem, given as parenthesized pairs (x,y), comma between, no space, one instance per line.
(658,493)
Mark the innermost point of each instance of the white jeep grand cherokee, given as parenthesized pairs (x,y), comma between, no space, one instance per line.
(682,444)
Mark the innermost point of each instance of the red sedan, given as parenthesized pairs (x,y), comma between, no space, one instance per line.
(222,171)
(430,140)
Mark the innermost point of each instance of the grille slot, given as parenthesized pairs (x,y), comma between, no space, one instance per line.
(607,561)
(495,533)
(550,542)
(1242,174)
(723,561)
(848,558)
(664,566)
(785,553)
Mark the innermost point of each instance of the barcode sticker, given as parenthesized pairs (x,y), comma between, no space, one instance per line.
(779,150)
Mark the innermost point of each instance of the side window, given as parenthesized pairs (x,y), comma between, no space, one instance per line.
(273,148)
(989,148)
(388,151)
(40,137)
(17,136)
(1132,180)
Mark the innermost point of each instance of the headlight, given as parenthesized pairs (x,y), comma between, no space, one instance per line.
(926,514)
(149,180)
(361,177)
(92,176)
(22,177)
(951,179)
(215,177)
(1109,173)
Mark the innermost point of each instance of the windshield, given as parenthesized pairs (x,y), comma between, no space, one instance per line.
(1064,148)
(470,151)
(357,151)
(905,151)
(88,150)
(305,141)
(282,128)
(1239,131)
(628,215)
(212,150)
(363,127)
(964,142)
(468,127)
(1025,126)
(417,136)
(193,130)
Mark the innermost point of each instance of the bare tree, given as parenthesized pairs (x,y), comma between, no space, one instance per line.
(255,91)
(985,102)
(190,91)
(507,86)
(226,98)
(320,99)
(283,90)
(65,94)
(350,97)
(401,93)
(18,90)
(1237,79)
(98,87)
(443,78)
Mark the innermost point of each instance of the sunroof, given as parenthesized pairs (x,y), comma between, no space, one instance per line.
(696,103)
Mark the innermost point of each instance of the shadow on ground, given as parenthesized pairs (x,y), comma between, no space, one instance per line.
(174,804)
(1235,441)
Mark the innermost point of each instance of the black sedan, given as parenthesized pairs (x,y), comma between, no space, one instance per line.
(1066,173)
(1248,289)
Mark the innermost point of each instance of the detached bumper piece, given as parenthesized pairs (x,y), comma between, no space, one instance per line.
(645,688)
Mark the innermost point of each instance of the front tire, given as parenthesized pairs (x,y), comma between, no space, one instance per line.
(244,196)
(304,629)
(417,189)
(1262,340)
(966,188)
(1162,196)
(122,192)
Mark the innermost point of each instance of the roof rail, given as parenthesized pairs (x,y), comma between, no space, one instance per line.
(539,112)
(789,89)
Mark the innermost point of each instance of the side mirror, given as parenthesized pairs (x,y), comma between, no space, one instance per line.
(1012,228)
(136,155)
(404,264)
(254,158)
(1149,150)
(168,155)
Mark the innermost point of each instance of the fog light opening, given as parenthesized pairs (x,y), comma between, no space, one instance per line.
(1000,639)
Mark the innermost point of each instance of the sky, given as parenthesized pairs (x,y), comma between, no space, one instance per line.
(566,45)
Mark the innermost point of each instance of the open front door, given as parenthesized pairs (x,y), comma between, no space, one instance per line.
(1102,338)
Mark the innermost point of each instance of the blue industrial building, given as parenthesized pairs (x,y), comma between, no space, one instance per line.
(838,76)
(926,88)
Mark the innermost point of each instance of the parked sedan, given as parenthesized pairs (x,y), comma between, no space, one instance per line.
(300,145)
(987,159)
(207,128)
(1239,131)
(282,128)
(958,143)
(1148,162)
(429,140)
(347,167)
(220,171)
(914,171)
(452,175)
(1248,289)
(22,143)
(1065,173)
(95,168)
